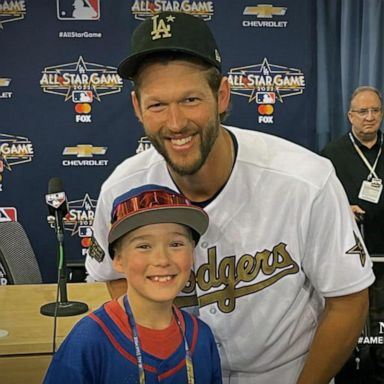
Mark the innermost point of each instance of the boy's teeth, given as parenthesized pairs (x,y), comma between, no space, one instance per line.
(161,279)
(183,141)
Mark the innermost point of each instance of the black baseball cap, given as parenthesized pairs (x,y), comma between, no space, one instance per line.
(170,32)
(153,204)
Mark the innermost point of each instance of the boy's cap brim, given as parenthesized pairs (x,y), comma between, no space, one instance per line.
(154,204)
(192,217)
(170,32)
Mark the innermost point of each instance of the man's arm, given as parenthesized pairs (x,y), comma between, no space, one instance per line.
(336,336)
(117,288)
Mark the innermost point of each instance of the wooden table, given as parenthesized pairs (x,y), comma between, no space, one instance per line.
(26,351)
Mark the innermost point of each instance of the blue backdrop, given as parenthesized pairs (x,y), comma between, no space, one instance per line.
(66,113)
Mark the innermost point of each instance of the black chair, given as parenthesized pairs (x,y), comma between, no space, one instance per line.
(17,256)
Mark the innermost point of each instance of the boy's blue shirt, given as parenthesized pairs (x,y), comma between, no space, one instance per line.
(96,351)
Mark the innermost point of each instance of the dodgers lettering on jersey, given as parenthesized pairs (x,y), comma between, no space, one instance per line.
(231,271)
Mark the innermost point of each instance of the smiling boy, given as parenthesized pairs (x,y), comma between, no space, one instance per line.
(141,337)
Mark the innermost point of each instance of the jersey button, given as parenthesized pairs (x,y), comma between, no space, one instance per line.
(212,311)
(204,244)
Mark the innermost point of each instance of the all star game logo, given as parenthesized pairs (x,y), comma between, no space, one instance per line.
(11,11)
(14,150)
(79,220)
(143,9)
(81,83)
(265,84)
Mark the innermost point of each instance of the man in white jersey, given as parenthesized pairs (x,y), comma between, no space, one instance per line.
(281,275)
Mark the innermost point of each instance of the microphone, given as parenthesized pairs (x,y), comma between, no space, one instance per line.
(58,208)
(56,198)
(57,205)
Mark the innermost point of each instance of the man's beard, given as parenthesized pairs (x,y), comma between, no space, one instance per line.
(208,137)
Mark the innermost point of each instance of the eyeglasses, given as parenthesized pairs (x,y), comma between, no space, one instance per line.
(364,111)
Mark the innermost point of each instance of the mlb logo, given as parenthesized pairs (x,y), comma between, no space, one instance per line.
(55,199)
(8,214)
(265,98)
(78,9)
(82,96)
(85,231)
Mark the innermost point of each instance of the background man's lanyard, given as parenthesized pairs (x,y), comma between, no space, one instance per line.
(139,357)
(366,162)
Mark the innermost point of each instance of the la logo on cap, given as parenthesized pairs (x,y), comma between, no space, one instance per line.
(160,29)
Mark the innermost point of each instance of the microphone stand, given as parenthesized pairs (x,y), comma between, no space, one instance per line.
(63,307)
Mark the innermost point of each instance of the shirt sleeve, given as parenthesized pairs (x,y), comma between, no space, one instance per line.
(98,263)
(336,260)
(74,360)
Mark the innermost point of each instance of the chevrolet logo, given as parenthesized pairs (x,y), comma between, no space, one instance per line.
(4,82)
(265,11)
(84,150)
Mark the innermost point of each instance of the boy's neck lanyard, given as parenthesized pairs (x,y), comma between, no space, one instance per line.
(366,162)
(139,357)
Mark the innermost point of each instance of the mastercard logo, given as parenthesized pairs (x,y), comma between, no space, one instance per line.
(86,242)
(83,108)
(265,109)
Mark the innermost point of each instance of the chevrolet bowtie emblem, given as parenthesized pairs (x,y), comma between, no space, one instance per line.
(4,82)
(266,11)
(84,150)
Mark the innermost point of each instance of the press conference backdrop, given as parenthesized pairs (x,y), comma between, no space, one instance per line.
(64,111)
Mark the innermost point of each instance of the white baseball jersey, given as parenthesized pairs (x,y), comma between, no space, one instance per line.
(281,237)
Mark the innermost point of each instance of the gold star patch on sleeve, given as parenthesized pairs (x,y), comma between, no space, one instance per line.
(358,249)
